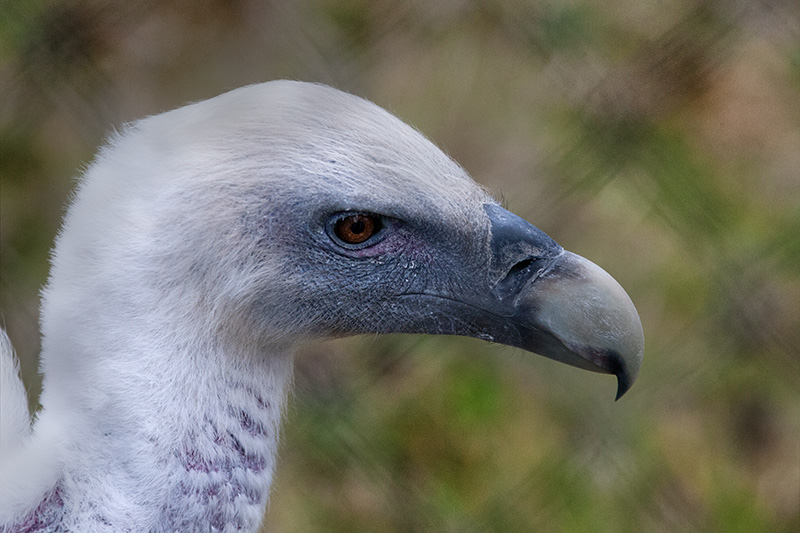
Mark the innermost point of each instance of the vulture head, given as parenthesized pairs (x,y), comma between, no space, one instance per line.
(204,243)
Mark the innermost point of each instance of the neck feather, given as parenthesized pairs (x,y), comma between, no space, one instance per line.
(178,439)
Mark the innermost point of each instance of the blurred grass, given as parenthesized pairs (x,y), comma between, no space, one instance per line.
(661,140)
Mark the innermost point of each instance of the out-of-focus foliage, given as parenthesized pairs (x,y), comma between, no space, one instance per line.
(659,139)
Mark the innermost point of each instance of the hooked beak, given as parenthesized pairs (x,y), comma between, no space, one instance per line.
(576,313)
(559,304)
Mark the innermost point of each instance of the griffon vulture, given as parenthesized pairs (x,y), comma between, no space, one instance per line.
(204,244)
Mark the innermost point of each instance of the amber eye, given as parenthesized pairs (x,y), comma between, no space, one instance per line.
(356,229)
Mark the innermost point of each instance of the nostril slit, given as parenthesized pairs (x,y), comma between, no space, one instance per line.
(517,275)
(522,265)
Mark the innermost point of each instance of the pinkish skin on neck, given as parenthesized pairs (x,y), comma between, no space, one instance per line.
(218,477)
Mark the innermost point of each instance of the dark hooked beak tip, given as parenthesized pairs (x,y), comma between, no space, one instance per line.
(613,363)
(623,384)
(624,380)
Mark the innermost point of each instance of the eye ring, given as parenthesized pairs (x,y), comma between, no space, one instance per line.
(354,231)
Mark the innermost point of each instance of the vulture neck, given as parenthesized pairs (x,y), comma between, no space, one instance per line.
(168,429)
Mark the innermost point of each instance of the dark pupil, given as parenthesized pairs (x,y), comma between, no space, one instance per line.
(358,227)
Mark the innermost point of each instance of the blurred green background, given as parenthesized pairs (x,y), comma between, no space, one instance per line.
(659,139)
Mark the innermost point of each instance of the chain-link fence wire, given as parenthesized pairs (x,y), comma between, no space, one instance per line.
(661,140)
